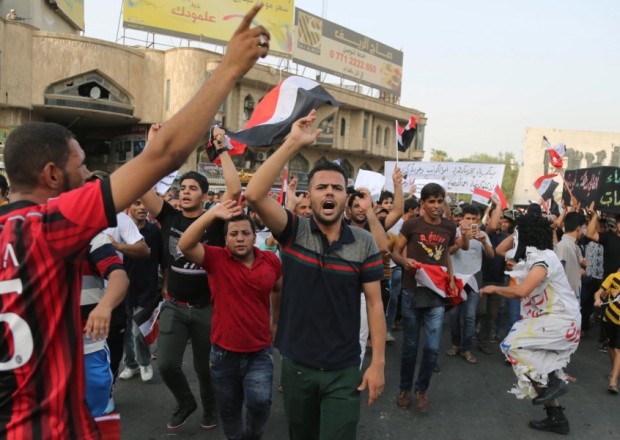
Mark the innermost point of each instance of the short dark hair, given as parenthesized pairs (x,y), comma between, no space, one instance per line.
(30,147)
(202,180)
(385,195)
(466,208)
(411,205)
(240,218)
(354,195)
(432,189)
(4,186)
(573,221)
(327,166)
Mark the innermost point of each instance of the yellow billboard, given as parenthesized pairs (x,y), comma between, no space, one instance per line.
(211,21)
(73,10)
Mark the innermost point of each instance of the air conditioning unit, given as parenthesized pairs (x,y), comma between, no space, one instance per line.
(261,156)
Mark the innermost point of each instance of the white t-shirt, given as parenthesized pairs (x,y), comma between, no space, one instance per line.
(126,231)
(469,262)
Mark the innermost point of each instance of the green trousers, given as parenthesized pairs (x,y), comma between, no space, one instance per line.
(321,404)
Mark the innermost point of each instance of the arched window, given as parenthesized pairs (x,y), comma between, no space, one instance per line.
(343,126)
(386,136)
(299,164)
(366,167)
(327,125)
(322,159)
(381,170)
(348,168)
(248,107)
(378,133)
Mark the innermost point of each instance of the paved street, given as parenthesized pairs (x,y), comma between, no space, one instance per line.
(467,402)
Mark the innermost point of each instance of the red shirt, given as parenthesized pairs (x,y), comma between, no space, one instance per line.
(41,354)
(241,298)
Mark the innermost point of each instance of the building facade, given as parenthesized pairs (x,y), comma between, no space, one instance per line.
(108,94)
(584,149)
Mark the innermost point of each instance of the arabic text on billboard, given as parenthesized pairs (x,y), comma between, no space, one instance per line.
(328,47)
(211,21)
(73,10)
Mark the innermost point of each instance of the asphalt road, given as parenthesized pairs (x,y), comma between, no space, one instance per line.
(467,402)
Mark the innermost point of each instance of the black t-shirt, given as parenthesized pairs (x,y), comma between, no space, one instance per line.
(611,252)
(493,268)
(186,281)
(142,272)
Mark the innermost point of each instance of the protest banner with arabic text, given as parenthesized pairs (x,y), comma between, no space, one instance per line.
(598,184)
(211,21)
(456,177)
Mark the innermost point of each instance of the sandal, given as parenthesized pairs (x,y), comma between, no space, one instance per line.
(154,356)
(453,351)
(570,378)
(280,389)
(613,389)
(469,358)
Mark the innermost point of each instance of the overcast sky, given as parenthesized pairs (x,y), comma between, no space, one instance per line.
(481,70)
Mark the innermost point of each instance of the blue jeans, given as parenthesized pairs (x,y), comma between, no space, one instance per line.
(397,277)
(412,321)
(462,336)
(237,378)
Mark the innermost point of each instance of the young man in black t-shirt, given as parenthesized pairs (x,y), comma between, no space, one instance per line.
(187,311)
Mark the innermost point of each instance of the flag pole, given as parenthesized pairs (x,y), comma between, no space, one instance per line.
(396,142)
(560,172)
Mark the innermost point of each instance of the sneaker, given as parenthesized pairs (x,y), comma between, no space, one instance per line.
(404,399)
(128,373)
(209,420)
(422,404)
(603,347)
(180,416)
(146,373)
(389,337)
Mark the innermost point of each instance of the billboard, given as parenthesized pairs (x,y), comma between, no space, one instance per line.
(330,48)
(73,10)
(211,21)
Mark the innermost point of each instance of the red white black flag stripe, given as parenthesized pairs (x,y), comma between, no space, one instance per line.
(274,116)
(404,136)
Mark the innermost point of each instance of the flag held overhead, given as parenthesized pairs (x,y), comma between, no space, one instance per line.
(276,113)
(404,136)
(545,185)
(555,153)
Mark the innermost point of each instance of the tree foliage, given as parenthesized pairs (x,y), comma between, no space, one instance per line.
(440,156)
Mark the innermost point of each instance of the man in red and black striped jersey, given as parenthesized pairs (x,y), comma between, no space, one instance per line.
(44,233)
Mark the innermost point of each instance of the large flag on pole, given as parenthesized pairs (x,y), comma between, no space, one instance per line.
(545,185)
(404,136)
(555,153)
(275,114)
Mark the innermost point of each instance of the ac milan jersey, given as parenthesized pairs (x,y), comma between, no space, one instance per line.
(41,354)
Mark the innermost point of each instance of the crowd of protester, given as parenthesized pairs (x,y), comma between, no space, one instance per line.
(234,274)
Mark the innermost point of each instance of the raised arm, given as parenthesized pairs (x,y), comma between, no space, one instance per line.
(398,207)
(182,133)
(257,192)
(292,199)
(190,244)
(231,177)
(493,224)
(536,275)
(592,232)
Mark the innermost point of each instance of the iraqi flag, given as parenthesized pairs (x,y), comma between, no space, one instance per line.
(283,188)
(404,136)
(146,320)
(480,198)
(500,195)
(274,116)
(555,153)
(436,279)
(545,186)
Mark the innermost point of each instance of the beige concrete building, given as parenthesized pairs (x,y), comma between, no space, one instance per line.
(108,94)
(584,149)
